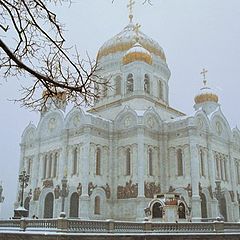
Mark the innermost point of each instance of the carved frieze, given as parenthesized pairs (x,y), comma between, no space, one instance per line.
(130,190)
(151,188)
(57,192)
(48,183)
(36,194)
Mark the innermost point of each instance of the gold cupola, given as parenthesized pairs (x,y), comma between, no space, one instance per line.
(137,53)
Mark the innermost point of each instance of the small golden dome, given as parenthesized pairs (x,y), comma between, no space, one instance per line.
(206,95)
(137,53)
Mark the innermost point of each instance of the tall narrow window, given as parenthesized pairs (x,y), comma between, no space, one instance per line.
(129,83)
(75,160)
(201,163)
(128,161)
(225,169)
(118,85)
(50,166)
(146,84)
(98,161)
(45,167)
(217,167)
(55,165)
(238,172)
(150,162)
(222,168)
(97,205)
(160,89)
(29,166)
(180,162)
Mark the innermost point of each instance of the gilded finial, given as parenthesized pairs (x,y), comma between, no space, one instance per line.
(204,71)
(130,7)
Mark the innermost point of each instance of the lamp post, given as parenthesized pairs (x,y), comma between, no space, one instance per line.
(64,193)
(23,181)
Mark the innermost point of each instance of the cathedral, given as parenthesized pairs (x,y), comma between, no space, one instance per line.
(111,161)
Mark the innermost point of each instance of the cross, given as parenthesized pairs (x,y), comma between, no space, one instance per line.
(204,71)
(136,28)
(130,6)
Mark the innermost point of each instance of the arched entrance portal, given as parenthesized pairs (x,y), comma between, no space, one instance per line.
(223,208)
(74,205)
(157,210)
(48,206)
(203,205)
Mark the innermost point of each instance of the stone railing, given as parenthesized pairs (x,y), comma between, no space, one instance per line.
(110,226)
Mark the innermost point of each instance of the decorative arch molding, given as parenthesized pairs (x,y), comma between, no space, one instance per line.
(220,125)
(29,133)
(202,121)
(152,119)
(126,118)
(51,124)
(74,118)
(229,205)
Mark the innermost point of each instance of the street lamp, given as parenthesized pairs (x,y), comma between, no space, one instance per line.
(23,181)
(64,193)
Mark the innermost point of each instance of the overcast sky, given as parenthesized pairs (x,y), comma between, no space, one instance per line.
(194,34)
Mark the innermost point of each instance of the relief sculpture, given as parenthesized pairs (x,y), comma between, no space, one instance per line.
(107,190)
(47,183)
(91,188)
(151,188)
(79,189)
(36,194)
(130,190)
(57,192)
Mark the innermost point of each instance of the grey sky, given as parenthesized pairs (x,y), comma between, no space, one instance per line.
(193,33)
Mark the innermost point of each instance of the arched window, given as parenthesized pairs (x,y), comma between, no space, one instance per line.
(160,89)
(179,162)
(48,206)
(26,203)
(50,166)
(146,84)
(75,160)
(150,162)
(129,83)
(118,81)
(157,211)
(202,173)
(29,166)
(128,162)
(97,205)
(181,211)
(223,208)
(45,167)
(98,161)
(74,205)
(55,165)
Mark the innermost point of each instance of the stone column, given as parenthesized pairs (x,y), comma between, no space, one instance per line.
(85,156)
(212,176)
(195,177)
(140,173)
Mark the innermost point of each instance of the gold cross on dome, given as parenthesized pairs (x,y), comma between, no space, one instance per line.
(136,28)
(130,7)
(204,71)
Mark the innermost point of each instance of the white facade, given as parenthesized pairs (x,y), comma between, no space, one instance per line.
(131,145)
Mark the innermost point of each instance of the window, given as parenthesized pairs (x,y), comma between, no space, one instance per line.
(129,83)
(118,85)
(45,167)
(98,161)
(146,84)
(157,210)
(55,165)
(29,166)
(97,205)
(75,160)
(50,166)
(179,162)
(181,211)
(160,89)
(202,173)
(128,161)
(150,163)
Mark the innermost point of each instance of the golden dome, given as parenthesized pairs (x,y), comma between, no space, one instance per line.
(137,53)
(206,95)
(126,39)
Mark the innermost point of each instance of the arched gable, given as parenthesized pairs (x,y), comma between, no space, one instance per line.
(126,118)
(74,118)
(51,125)
(29,134)
(152,119)
(201,120)
(220,125)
